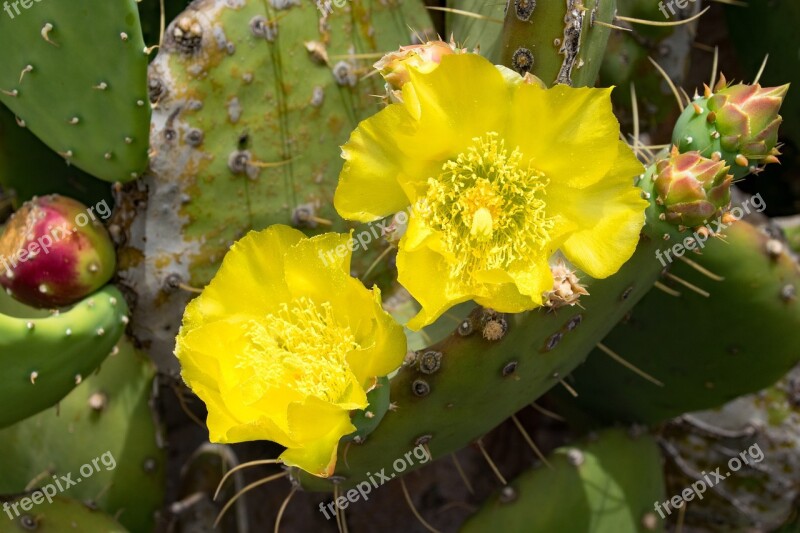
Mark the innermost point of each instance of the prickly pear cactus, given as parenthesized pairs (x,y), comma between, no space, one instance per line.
(61,515)
(607,484)
(56,251)
(45,356)
(251,101)
(106,423)
(236,125)
(737,364)
(738,122)
(82,92)
(560,42)
(23,156)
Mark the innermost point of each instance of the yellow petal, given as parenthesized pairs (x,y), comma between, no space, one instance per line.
(465,97)
(569,134)
(253,267)
(610,215)
(383,343)
(375,165)
(318,453)
(416,270)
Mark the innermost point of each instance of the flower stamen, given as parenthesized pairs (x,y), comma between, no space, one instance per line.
(488,207)
(301,346)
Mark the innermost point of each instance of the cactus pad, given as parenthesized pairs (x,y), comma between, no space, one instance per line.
(84,93)
(44,358)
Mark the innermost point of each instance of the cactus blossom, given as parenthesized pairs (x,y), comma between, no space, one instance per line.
(284,344)
(54,252)
(500,175)
(740,122)
(692,189)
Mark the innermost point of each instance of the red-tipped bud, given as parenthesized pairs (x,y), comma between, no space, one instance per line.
(55,251)
(692,189)
(747,117)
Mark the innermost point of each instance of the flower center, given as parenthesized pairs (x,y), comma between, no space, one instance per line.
(303,347)
(488,207)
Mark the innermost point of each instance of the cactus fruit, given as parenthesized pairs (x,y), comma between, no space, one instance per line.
(714,370)
(252,102)
(106,423)
(606,485)
(738,122)
(55,251)
(61,515)
(559,42)
(44,358)
(93,112)
(693,189)
(23,155)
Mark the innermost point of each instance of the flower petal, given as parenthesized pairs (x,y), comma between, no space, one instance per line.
(569,134)
(609,214)
(416,271)
(378,336)
(375,165)
(465,97)
(320,441)
(254,266)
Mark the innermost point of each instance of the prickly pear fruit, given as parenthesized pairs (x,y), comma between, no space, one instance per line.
(55,252)
(740,122)
(693,189)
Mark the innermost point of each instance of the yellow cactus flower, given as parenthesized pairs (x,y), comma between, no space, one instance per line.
(499,174)
(284,343)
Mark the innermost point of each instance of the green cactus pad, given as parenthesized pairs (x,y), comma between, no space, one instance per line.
(560,42)
(627,62)
(607,485)
(252,103)
(84,93)
(471,32)
(63,515)
(44,358)
(109,413)
(699,368)
(24,157)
